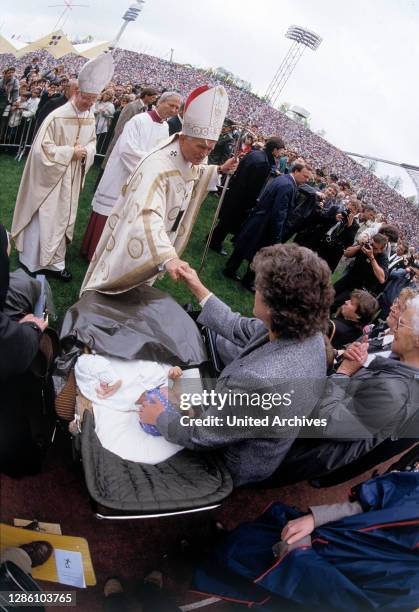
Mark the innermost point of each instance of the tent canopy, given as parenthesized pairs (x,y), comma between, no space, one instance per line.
(55,43)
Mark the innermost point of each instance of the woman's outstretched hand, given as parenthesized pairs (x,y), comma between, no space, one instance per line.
(194,284)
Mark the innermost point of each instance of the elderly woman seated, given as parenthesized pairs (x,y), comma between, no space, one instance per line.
(382,335)
(264,393)
(371,399)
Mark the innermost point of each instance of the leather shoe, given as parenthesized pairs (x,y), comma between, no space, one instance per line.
(218,249)
(230,274)
(249,286)
(62,275)
(112,586)
(65,275)
(38,551)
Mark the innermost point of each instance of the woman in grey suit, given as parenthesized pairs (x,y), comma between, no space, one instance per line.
(269,389)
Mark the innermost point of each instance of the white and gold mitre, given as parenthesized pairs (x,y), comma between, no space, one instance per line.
(205,111)
(96,73)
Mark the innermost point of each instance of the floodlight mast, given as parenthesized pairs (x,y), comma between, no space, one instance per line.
(302,38)
(131,14)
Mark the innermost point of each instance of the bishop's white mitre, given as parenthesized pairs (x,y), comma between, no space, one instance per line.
(96,73)
(205,111)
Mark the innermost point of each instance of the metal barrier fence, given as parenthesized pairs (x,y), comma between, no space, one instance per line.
(17,133)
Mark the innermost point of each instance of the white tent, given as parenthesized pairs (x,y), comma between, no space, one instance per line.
(10,45)
(91,49)
(55,43)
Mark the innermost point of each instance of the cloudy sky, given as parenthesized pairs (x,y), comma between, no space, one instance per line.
(360,86)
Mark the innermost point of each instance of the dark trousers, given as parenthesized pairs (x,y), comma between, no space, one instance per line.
(150,596)
(219,234)
(234,263)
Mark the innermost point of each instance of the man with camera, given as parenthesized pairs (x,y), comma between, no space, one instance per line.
(368,270)
(341,235)
(399,278)
(368,226)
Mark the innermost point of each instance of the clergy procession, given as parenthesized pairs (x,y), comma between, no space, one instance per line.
(209,355)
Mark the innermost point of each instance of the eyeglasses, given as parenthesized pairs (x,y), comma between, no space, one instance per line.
(400,324)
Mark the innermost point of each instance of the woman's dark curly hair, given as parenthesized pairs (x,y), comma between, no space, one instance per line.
(295,284)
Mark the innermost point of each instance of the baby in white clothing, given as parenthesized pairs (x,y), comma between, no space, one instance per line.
(114,386)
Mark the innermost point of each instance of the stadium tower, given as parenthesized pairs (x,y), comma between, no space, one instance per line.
(302,38)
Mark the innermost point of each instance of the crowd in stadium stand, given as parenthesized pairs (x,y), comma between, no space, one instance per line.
(134,71)
(349,352)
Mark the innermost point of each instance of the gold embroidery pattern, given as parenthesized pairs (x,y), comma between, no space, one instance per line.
(173,213)
(104,269)
(133,212)
(110,244)
(135,248)
(113,220)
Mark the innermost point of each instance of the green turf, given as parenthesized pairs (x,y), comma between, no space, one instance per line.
(66,294)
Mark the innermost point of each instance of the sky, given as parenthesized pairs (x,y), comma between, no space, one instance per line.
(360,86)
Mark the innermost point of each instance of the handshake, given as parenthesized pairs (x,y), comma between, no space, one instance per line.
(181,270)
(175,267)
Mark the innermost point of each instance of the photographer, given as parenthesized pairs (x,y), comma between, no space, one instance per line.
(368,270)
(368,226)
(399,279)
(341,235)
(320,220)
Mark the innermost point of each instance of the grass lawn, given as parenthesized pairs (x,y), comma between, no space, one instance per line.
(66,294)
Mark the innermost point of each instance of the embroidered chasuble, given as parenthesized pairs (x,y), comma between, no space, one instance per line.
(152,220)
(47,201)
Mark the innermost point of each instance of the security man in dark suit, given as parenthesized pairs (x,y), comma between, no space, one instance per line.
(267,223)
(245,186)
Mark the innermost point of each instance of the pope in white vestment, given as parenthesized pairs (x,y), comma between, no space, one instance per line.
(153,219)
(140,135)
(61,154)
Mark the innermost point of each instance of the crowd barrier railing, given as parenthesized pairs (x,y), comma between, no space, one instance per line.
(17,133)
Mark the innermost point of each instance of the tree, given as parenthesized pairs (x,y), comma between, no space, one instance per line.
(229,77)
(395,182)
(369,164)
(412,199)
(284,107)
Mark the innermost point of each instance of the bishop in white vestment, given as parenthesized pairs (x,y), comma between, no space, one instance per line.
(62,153)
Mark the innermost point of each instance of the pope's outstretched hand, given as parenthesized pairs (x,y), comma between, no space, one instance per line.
(175,266)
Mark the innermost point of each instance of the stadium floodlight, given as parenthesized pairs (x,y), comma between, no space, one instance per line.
(131,14)
(302,39)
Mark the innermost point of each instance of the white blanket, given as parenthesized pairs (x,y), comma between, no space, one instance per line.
(116,418)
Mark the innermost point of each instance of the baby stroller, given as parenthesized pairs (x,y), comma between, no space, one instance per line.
(144,323)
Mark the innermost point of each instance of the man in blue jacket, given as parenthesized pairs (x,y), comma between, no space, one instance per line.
(267,223)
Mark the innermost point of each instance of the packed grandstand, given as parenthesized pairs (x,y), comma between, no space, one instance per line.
(246,108)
